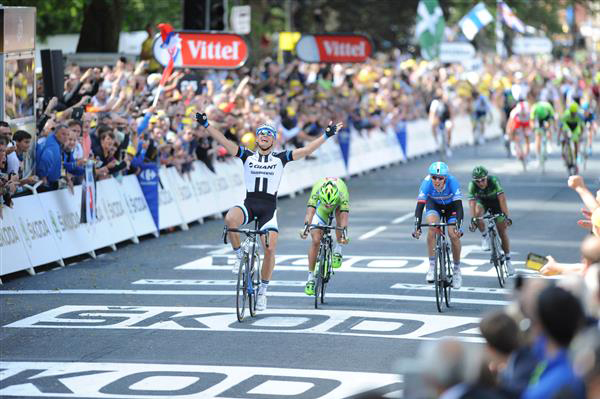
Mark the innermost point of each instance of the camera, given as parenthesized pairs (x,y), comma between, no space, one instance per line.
(77,113)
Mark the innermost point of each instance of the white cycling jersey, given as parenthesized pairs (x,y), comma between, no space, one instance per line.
(262,173)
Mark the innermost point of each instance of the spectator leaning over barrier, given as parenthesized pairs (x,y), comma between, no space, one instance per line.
(5,130)
(560,316)
(74,170)
(8,183)
(19,159)
(49,158)
(107,161)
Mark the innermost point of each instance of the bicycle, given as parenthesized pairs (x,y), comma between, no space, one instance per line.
(248,279)
(442,274)
(442,139)
(543,132)
(520,134)
(568,153)
(497,254)
(323,266)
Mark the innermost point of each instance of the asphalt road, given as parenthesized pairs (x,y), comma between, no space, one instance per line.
(157,319)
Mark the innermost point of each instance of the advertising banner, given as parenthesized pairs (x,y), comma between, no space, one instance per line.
(204,50)
(202,183)
(334,48)
(184,194)
(112,224)
(167,203)
(148,179)
(13,256)
(137,208)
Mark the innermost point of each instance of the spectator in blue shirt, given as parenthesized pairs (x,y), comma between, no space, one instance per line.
(49,158)
(560,316)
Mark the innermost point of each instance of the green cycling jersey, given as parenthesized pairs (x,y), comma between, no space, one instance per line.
(489,193)
(572,122)
(343,202)
(542,111)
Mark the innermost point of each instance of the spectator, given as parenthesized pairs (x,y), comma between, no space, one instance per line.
(590,254)
(20,161)
(49,158)
(76,128)
(586,360)
(107,162)
(559,315)
(5,130)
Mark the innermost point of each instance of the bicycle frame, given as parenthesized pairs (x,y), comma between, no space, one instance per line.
(497,254)
(443,276)
(250,257)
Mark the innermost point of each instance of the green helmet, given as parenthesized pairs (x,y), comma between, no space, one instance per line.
(573,108)
(479,172)
(329,193)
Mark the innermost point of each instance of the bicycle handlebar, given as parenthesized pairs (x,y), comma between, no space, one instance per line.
(489,216)
(248,232)
(437,224)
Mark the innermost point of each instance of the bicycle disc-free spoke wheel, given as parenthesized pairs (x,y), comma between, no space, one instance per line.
(438,277)
(324,280)
(448,279)
(255,281)
(241,292)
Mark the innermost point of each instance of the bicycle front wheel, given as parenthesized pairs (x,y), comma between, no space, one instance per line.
(448,279)
(241,290)
(327,275)
(255,281)
(439,277)
(497,259)
(319,267)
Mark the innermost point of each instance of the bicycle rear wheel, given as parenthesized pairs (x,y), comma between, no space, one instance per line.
(439,277)
(241,290)
(448,279)
(255,281)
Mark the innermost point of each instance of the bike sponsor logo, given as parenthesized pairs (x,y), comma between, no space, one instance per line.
(204,50)
(130,380)
(334,48)
(293,321)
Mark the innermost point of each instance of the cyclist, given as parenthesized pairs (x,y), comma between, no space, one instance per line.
(572,122)
(519,121)
(262,174)
(441,196)
(440,118)
(486,194)
(542,116)
(329,195)
(589,120)
(481,109)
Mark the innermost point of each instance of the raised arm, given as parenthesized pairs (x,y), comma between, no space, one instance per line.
(302,152)
(230,146)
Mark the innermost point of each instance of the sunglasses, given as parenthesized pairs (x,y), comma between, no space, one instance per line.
(265,133)
(480,180)
(436,177)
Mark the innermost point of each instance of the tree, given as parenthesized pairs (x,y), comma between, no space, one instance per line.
(102,21)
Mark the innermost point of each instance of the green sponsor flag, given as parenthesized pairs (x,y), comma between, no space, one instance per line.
(430,28)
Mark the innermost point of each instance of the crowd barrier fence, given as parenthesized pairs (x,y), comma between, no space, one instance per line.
(45,228)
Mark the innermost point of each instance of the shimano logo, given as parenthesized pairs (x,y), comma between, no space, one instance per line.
(259,166)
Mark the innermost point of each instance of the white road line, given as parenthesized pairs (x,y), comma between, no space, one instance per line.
(475,290)
(405,298)
(373,232)
(403,218)
(273,283)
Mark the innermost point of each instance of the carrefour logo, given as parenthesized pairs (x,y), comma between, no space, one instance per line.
(148,174)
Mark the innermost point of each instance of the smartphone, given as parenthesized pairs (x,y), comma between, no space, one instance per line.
(77,113)
(535,261)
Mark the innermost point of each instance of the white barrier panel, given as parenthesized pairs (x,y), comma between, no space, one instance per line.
(235,177)
(182,189)
(137,208)
(13,256)
(419,139)
(226,194)
(168,211)
(202,183)
(35,230)
(112,223)
(62,210)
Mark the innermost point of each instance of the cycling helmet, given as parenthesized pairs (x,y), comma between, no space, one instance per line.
(573,108)
(479,172)
(329,193)
(266,129)
(438,169)
(585,106)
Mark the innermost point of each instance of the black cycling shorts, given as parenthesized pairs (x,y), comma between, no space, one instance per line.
(444,212)
(262,209)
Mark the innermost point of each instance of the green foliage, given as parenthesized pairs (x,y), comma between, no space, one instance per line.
(66,16)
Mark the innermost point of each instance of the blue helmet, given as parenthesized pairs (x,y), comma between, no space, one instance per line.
(585,106)
(266,129)
(438,168)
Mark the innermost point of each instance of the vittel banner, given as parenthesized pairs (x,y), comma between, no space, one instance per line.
(334,48)
(205,50)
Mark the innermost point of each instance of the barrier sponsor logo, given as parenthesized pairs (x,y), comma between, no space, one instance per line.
(205,50)
(8,236)
(110,380)
(334,48)
(135,204)
(165,197)
(328,322)
(33,230)
(221,184)
(148,175)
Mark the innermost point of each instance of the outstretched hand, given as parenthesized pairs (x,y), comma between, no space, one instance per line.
(332,129)
(202,119)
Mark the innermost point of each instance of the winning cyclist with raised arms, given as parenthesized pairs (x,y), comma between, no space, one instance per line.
(328,196)
(440,195)
(263,170)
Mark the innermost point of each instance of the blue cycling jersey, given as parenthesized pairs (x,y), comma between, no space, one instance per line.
(450,193)
(590,117)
